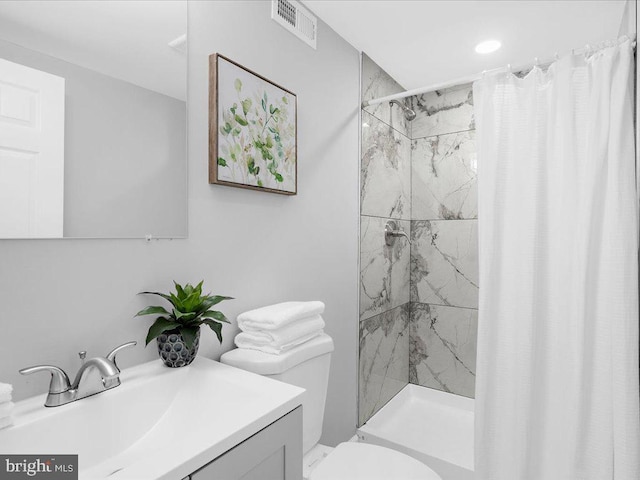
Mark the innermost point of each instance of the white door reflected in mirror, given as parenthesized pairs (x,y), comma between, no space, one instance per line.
(110,159)
(31,152)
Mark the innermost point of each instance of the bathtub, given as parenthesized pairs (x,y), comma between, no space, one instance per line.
(432,426)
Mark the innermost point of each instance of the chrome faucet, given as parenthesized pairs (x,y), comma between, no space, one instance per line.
(61,391)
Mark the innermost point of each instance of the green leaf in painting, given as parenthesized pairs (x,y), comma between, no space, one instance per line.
(246,106)
(238,85)
(241,120)
(251,165)
(279,178)
(222,162)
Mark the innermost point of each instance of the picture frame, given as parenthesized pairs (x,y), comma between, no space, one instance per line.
(253,134)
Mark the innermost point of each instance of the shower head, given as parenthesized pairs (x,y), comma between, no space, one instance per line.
(408,113)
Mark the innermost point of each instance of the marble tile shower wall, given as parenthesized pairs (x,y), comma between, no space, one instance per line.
(444,252)
(384,271)
(418,303)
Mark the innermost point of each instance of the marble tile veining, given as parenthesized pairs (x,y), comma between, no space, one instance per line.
(385,171)
(377,83)
(444,262)
(384,270)
(444,178)
(384,359)
(442,348)
(443,111)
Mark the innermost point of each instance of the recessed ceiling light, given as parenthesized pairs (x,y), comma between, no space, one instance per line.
(488,46)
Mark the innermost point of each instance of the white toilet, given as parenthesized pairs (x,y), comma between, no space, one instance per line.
(307,366)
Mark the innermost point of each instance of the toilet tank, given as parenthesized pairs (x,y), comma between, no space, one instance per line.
(305,366)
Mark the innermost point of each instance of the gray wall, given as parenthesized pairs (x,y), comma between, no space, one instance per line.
(124,153)
(59,297)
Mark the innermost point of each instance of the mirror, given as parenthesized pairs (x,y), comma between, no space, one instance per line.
(93,119)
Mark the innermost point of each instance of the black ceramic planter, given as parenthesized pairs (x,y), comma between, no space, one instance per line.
(173,350)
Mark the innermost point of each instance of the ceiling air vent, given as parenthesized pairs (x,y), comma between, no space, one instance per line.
(297,19)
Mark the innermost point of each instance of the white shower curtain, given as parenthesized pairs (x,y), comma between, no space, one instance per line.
(557,376)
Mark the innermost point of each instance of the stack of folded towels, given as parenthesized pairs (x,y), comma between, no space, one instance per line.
(6,405)
(278,328)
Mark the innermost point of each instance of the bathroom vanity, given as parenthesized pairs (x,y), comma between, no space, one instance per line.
(275,453)
(204,421)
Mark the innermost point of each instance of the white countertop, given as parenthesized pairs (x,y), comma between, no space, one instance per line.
(161,423)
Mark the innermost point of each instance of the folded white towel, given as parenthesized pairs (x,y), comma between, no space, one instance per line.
(287,334)
(242,342)
(6,422)
(6,409)
(5,392)
(278,315)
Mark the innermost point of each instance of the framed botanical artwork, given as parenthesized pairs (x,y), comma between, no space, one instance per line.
(252,130)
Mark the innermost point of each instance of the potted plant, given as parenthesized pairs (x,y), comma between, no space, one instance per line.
(177,332)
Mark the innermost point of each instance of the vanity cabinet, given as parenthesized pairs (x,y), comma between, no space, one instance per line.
(273,453)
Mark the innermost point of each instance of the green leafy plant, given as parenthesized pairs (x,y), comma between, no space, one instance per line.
(189,310)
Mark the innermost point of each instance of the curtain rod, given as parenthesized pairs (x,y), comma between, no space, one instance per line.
(477,76)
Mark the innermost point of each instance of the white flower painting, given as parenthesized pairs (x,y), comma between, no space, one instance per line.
(254,125)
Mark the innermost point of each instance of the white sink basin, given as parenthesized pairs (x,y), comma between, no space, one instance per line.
(160,423)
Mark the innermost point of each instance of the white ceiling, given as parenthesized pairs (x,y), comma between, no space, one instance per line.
(422,43)
(126,39)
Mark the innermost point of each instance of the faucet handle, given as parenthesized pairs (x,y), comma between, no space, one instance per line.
(83,356)
(59,379)
(392,230)
(112,354)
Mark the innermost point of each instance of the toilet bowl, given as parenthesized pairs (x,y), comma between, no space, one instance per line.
(307,366)
(362,461)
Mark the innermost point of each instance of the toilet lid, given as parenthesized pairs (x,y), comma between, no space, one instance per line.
(363,461)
